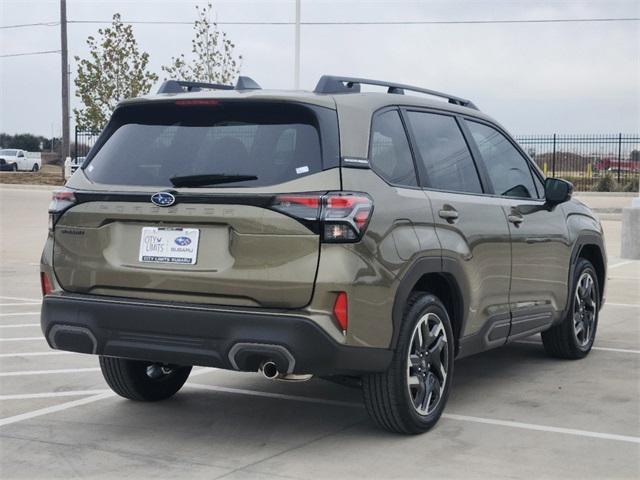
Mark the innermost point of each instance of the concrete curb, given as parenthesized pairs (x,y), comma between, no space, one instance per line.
(22,186)
(605,194)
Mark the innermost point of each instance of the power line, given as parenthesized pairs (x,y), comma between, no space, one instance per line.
(384,22)
(39,24)
(43,52)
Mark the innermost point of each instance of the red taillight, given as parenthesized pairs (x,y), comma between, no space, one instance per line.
(311,201)
(346,216)
(339,217)
(45,284)
(197,101)
(341,311)
(306,207)
(60,201)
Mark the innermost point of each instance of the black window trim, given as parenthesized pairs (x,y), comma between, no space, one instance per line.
(424,184)
(328,131)
(416,169)
(532,169)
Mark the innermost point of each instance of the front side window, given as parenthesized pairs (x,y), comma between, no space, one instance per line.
(444,153)
(390,155)
(508,170)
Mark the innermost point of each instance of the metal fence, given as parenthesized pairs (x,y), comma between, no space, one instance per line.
(590,162)
(84,140)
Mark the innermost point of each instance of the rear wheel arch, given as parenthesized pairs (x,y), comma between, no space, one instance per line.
(440,277)
(590,246)
(594,253)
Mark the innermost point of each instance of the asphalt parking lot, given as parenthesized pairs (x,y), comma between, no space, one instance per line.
(513,412)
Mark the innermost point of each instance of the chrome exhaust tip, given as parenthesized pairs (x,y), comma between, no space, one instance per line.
(270,370)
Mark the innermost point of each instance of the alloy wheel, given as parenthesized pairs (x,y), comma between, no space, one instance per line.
(156,371)
(585,309)
(427,363)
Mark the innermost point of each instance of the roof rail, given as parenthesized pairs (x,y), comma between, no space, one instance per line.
(182,86)
(336,84)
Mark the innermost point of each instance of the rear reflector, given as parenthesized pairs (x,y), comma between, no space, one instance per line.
(341,311)
(45,284)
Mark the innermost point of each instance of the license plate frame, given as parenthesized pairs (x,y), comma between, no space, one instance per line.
(169,245)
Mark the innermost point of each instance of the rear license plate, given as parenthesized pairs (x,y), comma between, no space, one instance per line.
(169,245)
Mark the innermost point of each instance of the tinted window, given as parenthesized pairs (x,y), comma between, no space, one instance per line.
(149,145)
(444,152)
(390,155)
(508,170)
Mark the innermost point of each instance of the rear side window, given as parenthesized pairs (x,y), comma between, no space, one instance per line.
(147,145)
(508,170)
(444,153)
(390,155)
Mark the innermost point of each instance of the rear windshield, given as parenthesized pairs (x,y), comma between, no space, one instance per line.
(149,144)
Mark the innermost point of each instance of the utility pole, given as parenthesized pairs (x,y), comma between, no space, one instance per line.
(296,78)
(64,66)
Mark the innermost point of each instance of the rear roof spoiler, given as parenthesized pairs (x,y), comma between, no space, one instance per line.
(336,84)
(182,86)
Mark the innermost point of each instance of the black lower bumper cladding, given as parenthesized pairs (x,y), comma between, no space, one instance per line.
(188,334)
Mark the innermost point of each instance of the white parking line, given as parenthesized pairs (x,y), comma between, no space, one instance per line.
(20,339)
(450,416)
(543,428)
(48,372)
(281,396)
(69,393)
(22,299)
(55,408)
(18,314)
(22,325)
(76,403)
(36,354)
(604,349)
(619,264)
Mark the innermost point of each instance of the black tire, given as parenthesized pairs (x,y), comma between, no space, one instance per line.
(35,167)
(14,167)
(387,396)
(562,340)
(129,379)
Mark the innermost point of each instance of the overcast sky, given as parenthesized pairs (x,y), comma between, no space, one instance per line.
(533,78)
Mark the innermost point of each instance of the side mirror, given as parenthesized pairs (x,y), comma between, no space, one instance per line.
(557,190)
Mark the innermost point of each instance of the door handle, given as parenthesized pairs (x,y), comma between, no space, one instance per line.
(515,219)
(448,215)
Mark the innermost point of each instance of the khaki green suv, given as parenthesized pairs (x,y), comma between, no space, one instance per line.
(369,238)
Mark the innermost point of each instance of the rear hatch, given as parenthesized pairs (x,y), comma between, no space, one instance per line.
(191,200)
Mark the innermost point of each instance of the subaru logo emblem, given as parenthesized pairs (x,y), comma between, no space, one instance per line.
(163,199)
(182,241)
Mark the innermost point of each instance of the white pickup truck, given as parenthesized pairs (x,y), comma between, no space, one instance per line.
(14,159)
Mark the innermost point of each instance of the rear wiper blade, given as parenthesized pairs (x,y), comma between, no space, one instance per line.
(209,179)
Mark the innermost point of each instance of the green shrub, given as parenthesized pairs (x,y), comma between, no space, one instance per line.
(606,184)
(631,185)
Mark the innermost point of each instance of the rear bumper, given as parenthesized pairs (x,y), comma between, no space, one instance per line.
(188,334)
